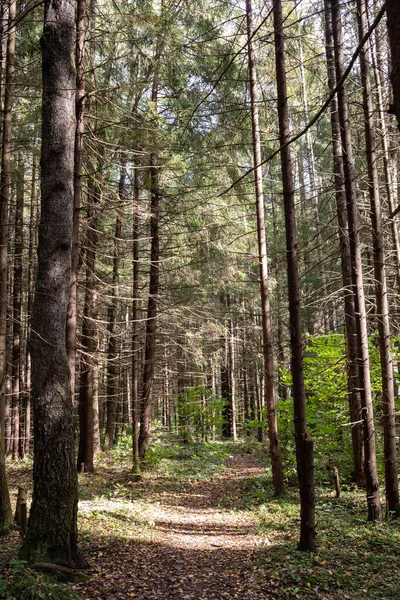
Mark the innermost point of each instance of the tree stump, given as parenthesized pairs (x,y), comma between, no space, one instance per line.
(20,516)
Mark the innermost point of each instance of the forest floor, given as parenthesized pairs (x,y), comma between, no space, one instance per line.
(202,524)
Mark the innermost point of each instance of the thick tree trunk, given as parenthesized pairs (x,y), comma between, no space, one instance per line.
(393,23)
(381,291)
(5,507)
(52,534)
(353,380)
(268,351)
(71,324)
(304,443)
(371,474)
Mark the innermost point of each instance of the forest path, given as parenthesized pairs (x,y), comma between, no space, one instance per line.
(187,544)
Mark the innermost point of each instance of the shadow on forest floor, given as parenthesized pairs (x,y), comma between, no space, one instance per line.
(192,530)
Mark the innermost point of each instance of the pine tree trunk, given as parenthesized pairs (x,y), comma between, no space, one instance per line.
(87,442)
(312,190)
(353,379)
(393,23)
(135,323)
(17,314)
(30,293)
(371,474)
(5,506)
(52,534)
(385,137)
(304,443)
(268,351)
(151,326)
(381,291)
(112,368)
(71,324)
(232,371)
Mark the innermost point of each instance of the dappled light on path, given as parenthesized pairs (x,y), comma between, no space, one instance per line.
(185,545)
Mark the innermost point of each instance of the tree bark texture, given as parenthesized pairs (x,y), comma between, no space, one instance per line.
(52,528)
(268,351)
(112,367)
(135,322)
(381,291)
(304,443)
(87,442)
(5,506)
(371,474)
(71,324)
(16,387)
(353,378)
(151,327)
(393,23)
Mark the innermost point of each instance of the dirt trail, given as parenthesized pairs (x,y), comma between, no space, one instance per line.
(191,549)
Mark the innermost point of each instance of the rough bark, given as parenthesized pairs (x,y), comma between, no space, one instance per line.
(71,324)
(87,442)
(17,315)
(232,371)
(152,307)
(304,443)
(393,23)
(52,529)
(268,351)
(353,380)
(135,322)
(385,141)
(381,291)
(30,292)
(112,367)
(371,474)
(5,507)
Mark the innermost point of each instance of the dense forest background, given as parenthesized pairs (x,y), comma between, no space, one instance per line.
(233,265)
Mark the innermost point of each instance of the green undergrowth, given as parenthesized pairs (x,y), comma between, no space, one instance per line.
(354,560)
(19,582)
(167,464)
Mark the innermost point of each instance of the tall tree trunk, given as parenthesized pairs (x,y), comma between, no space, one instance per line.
(151,326)
(371,474)
(268,351)
(5,506)
(381,291)
(71,324)
(304,443)
(112,369)
(232,370)
(17,314)
(393,22)
(52,534)
(135,323)
(353,378)
(33,217)
(87,442)
(385,137)
(311,188)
